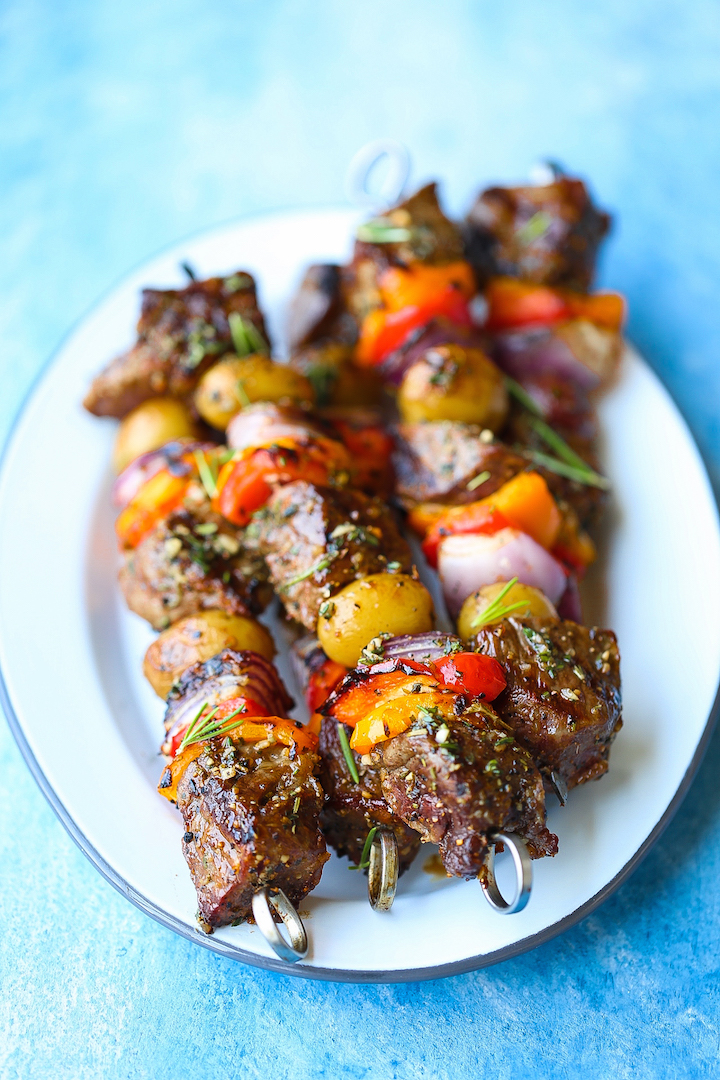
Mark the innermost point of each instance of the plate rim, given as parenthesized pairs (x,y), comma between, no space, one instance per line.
(232,952)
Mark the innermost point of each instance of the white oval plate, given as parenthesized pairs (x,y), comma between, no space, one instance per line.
(89,725)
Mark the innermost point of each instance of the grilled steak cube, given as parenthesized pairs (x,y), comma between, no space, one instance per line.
(251,814)
(563,700)
(435,462)
(351,809)
(316,540)
(182,567)
(181,333)
(433,239)
(548,234)
(318,310)
(461,779)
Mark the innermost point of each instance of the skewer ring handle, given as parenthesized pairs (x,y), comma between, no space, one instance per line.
(383,870)
(523,875)
(361,167)
(269,898)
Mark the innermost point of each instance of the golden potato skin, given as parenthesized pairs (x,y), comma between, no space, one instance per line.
(537,605)
(149,426)
(380,603)
(197,638)
(237,381)
(451,382)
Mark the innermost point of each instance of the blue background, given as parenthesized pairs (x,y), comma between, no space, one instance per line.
(123,127)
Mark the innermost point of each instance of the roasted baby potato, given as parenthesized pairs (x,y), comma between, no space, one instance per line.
(150,425)
(536,605)
(237,381)
(195,639)
(335,379)
(450,382)
(380,603)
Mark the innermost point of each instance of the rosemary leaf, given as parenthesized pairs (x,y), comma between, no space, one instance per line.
(347,752)
(478,480)
(365,854)
(562,468)
(206,476)
(496,610)
(382,232)
(322,564)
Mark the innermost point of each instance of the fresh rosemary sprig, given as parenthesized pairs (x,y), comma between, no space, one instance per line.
(321,564)
(188,270)
(478,480)
(567,458)
(208,727)
(206,474)
(365,854)
(241,393)
(572,472)
(533,229)
(246,336)
(347,752)
(382,232)
(496,610)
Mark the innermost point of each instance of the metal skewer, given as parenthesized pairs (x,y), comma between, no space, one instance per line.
(523,875)
(270,897)
(383,870)
(361,167)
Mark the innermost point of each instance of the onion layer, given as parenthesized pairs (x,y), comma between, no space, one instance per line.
(467,562)
(422,648)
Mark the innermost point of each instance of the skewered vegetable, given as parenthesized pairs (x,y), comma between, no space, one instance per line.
(235,382)
(453,383)
(199,637)
(150,426)
(377,604)
(491,603)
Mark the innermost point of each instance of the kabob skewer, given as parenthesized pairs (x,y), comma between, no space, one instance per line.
(290,504)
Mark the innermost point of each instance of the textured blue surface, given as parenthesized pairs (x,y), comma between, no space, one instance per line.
(124,126)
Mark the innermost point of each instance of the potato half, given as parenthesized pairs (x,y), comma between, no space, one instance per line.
(380,603)
(149,426)
(197,638)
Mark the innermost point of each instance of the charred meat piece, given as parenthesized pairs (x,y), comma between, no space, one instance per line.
(193,562)
(548,234)
(329,366)
(181,333)
(351,809)
(433,238)
(435,462)
(318,309)
(457,780)
(251,813)
(231,673)
(563,700)
(316,540)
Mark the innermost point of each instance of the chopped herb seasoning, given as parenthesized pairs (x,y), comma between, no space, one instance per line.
(496,610)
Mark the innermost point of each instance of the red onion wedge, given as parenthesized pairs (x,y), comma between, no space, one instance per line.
(231,673)
(577,351)
(139,471)
(265,423)
(422,648)
(467,562)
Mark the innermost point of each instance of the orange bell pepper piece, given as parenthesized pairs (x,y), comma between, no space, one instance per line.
(526,504)
(411,297)
(161,494)
(514,303)
(245,483)
(476,517)
(423,516)
(523,503)
(363,695)
(391,718)
(322,682)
